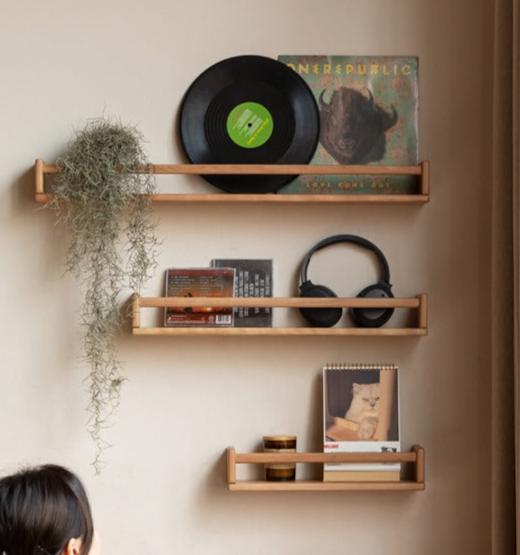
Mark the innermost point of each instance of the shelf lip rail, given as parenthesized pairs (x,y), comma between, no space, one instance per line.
(317,458)
(422,170)
(278,302)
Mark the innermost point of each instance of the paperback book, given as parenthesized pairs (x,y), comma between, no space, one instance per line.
(199,282)
(253,278)
(361,414)
(368,115)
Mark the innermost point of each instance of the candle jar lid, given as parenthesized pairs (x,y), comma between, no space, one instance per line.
(279,438)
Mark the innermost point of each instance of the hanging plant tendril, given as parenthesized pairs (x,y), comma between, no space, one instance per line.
(101,193)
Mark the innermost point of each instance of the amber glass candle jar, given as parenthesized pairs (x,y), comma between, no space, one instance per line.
(280,472)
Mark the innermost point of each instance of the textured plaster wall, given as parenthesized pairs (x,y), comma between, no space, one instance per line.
(162,490)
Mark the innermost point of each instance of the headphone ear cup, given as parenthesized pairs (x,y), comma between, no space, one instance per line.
(373,317)
(319,317)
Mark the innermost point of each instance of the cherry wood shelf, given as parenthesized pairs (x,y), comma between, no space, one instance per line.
(418,303)
(422,170)
(416,457)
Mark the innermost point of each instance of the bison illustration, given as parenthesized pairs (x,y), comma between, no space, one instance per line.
(353,126)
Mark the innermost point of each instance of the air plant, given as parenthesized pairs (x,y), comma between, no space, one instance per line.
(102,193)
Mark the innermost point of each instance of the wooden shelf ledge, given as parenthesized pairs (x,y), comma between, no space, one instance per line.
(285,332)
(416,457)
(316,485)
(418,303)
(421,170)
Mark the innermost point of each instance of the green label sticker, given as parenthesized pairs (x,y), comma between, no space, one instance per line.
(249,124)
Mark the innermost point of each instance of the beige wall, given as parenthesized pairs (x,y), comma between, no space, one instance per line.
(187,399)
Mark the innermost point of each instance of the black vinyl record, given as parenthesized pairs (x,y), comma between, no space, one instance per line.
(249,110)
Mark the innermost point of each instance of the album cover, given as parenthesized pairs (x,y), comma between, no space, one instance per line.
(368,115)
(199,282)
(253,278)
(361,414)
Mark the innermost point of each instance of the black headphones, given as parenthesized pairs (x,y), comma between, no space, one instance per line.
(362,317)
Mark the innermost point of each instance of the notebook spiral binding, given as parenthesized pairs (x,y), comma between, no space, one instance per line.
(359,366)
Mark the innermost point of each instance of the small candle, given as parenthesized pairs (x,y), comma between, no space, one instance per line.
(283,472)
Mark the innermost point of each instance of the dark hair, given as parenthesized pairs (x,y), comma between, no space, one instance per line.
(41,509)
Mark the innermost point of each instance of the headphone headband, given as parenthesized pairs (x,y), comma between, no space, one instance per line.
(353,239)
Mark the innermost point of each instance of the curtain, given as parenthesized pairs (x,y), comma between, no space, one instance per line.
(505,289)
(516,246)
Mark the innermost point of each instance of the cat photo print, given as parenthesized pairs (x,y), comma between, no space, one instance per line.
(361,411)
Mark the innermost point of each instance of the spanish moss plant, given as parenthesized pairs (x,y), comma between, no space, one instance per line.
(101,194)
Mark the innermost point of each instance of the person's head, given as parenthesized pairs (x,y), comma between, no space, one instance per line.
(44,511)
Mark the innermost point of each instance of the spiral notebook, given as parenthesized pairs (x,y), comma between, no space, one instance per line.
(360,415)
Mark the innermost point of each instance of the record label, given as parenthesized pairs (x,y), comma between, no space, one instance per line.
(250,124)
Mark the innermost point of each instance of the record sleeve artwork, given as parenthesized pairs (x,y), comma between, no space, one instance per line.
(249,110)
(369,115)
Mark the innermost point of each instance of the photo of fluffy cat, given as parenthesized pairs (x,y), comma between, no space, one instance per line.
(364,408)
(361,415)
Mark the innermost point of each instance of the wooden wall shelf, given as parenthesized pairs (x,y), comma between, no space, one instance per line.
(421,170)
(416,457)
(419,304)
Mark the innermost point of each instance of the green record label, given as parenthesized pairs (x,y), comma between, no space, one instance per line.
(249,124)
